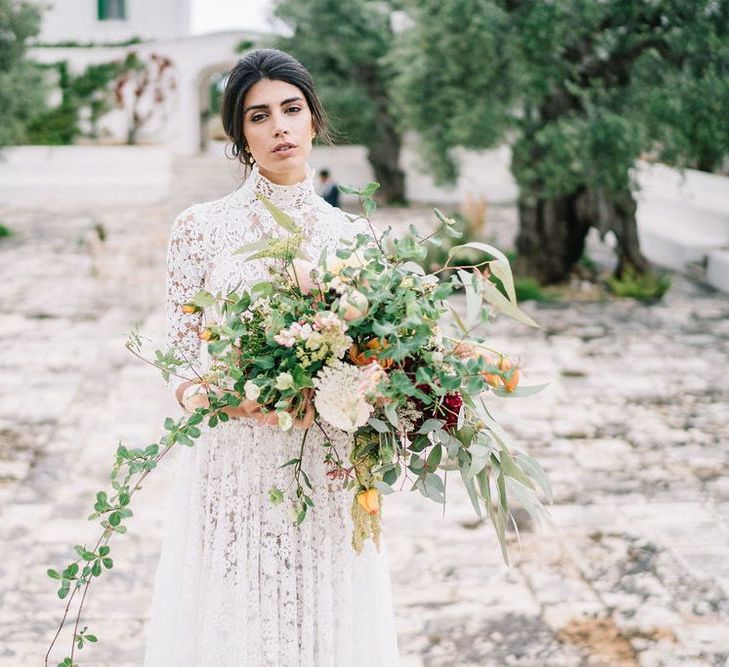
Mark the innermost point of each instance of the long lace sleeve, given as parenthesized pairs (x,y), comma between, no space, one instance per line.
(185,277)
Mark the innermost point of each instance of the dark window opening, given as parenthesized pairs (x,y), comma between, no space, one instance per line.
(112,10)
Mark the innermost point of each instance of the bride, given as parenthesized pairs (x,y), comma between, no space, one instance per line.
(237,584)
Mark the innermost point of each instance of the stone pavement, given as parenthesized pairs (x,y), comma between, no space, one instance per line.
(633,430)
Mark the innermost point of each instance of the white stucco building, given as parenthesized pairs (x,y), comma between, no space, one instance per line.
(105,21)
(84,32)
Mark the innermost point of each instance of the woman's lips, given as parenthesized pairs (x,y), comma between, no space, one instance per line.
(286,150)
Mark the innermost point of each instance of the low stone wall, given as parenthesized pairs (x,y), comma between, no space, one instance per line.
(69,175)
(683,220)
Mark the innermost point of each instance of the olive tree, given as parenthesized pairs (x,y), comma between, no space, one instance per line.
(581,89)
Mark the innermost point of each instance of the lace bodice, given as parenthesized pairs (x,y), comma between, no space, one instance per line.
(205,236)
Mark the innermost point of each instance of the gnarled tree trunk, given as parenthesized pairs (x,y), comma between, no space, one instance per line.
(552,232)
(384,147)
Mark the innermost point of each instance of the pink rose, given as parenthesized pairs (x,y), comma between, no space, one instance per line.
(353,305)
(300,274)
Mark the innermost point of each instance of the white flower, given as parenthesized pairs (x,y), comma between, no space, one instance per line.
(302,331)
(326,320)
(370,377)
(428,283)
(285,338)
(252,390)
(285,421)
(436,340)
(335,265)
(339,399)
(284,381)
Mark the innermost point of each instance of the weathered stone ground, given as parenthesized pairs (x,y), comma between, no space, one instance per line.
(633,430)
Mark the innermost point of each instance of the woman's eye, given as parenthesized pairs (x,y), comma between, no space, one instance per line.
(259,116)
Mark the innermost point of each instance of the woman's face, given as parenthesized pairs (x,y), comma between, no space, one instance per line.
(275,113)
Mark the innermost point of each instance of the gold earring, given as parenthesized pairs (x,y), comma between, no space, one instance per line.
(247,151)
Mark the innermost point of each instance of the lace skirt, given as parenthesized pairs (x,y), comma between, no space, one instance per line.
(238,585)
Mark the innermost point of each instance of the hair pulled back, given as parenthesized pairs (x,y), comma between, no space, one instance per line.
(266,64)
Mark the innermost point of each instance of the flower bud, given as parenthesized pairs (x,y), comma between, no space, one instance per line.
(511,380)
(190,308)
(252,390)
(207,335)
(284,381)
(353,305)
(300,274)
(369,501)
(285,420)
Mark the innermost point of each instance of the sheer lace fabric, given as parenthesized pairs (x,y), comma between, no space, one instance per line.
(237,584)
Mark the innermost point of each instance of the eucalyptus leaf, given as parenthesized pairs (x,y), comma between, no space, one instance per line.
(520,391)
(283,219)
(492,294)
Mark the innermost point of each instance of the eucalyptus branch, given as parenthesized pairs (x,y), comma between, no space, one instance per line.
(447,266)
(188,429)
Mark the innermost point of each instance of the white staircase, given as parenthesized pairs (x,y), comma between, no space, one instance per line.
(683,220)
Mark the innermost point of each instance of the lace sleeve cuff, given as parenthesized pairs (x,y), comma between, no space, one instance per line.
(185,278)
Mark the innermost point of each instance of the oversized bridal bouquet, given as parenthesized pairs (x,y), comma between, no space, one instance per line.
(371,341)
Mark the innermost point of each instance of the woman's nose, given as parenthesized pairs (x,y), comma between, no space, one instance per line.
(279,126)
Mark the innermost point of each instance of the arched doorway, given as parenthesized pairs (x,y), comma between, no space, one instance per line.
(210,84)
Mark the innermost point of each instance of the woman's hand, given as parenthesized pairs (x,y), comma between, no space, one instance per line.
(248,409)
(252,410)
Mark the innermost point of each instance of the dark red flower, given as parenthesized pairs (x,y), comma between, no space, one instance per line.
(450,408)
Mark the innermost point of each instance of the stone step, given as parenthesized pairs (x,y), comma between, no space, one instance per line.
(717,269)
(674,249)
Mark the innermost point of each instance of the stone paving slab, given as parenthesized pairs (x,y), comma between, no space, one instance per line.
(632,429)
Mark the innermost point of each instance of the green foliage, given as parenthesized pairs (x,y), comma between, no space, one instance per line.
(74,43)
(244,45)
(576,107)
(584,87)
(453,79)
(90,91)
(4,231)
(580,89)
(643,286)
(350,78)
(528,289)
(22,91)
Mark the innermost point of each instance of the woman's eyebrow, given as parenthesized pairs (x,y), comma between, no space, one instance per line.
(265,106)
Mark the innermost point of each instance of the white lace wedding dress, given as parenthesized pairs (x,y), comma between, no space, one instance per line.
(237,584)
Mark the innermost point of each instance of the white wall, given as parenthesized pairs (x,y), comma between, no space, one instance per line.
(70,176)
(193,57)
(77,20)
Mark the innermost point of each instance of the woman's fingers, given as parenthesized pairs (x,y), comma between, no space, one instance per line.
(308,419)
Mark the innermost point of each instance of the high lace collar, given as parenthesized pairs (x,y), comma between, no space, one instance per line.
(291,196)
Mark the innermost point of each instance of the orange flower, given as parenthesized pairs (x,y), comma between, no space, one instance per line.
(493,379)
(369,501)
(511,380)
(207,335)
(189,308)
(365,357)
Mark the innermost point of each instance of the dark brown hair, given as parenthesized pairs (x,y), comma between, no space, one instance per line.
(267,64)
